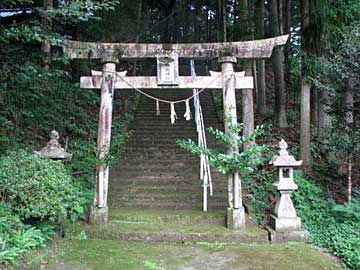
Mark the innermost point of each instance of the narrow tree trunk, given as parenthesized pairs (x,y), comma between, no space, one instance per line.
(138,20)
(222,20)
(278,67)
(349,107)
(224,4)
(315,108)
(287,49)
(46,46)
(305,151)
(349,120)
(244,19)
(305,133)
(247,94)
(260,64)
(324,109)
(350,180)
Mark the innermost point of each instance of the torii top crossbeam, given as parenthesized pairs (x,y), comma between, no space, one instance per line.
(261,48)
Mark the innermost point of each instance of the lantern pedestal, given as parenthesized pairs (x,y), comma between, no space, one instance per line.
(286,236)
(284,217)
(285,224)
(235,218)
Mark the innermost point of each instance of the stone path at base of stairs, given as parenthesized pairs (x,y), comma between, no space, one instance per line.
(172,240)
(114,255)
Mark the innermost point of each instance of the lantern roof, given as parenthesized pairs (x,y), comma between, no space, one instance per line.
(284,159)
(53,149)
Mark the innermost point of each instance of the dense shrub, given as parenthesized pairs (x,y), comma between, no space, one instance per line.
(16,238)
(37,189)
(338,233)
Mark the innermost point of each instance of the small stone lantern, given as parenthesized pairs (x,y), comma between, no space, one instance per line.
(284,218)
(53,149)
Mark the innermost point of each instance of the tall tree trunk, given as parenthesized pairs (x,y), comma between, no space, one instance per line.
(247,94)
(324,116)
(287,49)
(305,150)
(349,120)
(138,20)
(46,46)
(278,68)
(260,64)
(314,100)
(305,132)
(222,20)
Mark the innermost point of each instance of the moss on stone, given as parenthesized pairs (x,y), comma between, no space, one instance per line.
(115,255)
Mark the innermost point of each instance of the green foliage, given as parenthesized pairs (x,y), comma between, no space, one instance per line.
(218,103)
(260,186)
(348,211)
(17,238)
(257,181)
(338,233)
(245,161)
(339,74)
(37,189)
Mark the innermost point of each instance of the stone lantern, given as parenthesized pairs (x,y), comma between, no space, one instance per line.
(53,149)
(284,220)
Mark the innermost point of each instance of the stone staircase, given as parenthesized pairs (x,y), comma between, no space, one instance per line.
(155,173)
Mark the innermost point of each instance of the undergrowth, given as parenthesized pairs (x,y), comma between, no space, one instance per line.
(333,227)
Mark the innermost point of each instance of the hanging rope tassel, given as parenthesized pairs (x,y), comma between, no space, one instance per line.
(173,115)
(187,114)
(157,107)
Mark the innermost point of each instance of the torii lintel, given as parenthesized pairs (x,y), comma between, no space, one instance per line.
(261,48)
(213,81)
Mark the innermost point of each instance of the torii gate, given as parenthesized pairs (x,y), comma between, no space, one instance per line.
(167,77)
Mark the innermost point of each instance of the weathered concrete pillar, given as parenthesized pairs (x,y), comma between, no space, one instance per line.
(235,211)
(99,210)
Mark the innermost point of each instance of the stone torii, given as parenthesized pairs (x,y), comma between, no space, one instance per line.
(167,63)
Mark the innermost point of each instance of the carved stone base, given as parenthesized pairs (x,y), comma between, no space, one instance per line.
(98,216)
(235,218)
(286,236)
(285,224)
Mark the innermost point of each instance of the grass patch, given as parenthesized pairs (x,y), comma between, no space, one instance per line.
(116,255)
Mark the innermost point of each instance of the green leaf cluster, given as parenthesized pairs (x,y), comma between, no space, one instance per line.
(334,227)
(16,238)
(37,189)
(244,162)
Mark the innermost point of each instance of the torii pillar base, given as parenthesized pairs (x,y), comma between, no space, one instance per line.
(235,218)
(98,216)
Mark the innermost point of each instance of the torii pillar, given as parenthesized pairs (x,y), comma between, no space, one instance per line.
(235,214)
(99,210)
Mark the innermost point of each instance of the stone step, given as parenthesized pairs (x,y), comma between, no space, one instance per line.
(165,198)
(166,205)
(181,217)
(167,189)
(164,142)
(166,176)
(161,157)
(172,226)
